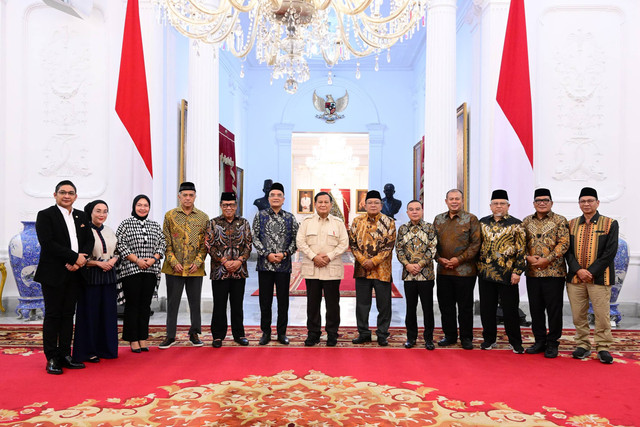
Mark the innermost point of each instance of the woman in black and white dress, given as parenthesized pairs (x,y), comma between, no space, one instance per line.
(96,331)
(141,246)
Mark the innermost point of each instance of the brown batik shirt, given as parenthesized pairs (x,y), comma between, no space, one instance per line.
(374,239)
(547,238)
(458,237)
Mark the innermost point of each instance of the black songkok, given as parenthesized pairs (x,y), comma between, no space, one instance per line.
(276,186)
(541,192)
(373,194)
(588,191)
(499,194)
(187,186)
(228,196)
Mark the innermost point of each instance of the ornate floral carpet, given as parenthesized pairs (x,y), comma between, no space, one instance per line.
(319,386)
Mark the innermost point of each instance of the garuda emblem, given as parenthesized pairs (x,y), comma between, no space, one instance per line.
(329,107)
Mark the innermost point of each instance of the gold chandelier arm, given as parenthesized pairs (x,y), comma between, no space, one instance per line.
(321,4)
(347,43)
(205,36)
(343,7)
(242,8)
(223,8)
(181,18)
(398,11)
(247,49)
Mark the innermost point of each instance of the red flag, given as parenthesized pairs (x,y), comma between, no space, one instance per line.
(512,165)
(132,101)
(514,88)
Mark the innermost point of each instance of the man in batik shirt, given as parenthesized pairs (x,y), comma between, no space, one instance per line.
(501,262)
(547,241)
(415,249)
(371,238)
(274,236)
(228,241)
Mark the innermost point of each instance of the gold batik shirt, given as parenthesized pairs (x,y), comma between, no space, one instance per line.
(184,234)
(547,238)
(373,238)
(503,249)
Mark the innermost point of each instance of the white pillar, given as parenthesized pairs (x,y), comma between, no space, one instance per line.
(202,146)
(376,140)
(440,108)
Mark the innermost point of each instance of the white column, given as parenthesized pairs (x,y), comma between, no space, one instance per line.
(202,147)
(440,108)
(376,140)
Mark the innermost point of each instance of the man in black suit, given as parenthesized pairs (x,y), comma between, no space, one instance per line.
(65,238)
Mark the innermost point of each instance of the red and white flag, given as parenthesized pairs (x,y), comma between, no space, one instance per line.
(132,101)
(512,166)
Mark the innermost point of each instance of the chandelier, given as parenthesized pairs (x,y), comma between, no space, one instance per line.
(286,33)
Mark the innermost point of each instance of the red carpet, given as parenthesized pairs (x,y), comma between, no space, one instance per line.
(298,286)
(294,386)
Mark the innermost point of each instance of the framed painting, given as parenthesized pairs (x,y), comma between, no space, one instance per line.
(462,152)
(184,109)
(240,190)
(305,201)
(418,171)
(361,195)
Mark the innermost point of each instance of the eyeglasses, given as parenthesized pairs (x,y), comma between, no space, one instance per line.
(66,193)
(541,201)
(588,202)
(228,205)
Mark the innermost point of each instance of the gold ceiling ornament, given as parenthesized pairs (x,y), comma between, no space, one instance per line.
(285,33)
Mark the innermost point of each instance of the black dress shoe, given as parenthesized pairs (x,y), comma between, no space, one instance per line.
(538,347)
(446,341)
(332,341)
(429,345)
(68,362)
(135,350)
(311,341)
(93,359)
(53,367)
(551,352)
(217,343)
(266,338)
(144,348)
(242,341)
(282,339)
(466,343)
(409,344)
(383,342)
(361,339)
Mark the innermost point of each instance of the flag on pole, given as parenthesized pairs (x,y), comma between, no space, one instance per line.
(512,166)
(132,101)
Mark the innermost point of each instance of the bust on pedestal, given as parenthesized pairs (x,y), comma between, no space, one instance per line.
(390,206)
(263,202)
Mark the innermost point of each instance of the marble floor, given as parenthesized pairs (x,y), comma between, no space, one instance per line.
(298,306)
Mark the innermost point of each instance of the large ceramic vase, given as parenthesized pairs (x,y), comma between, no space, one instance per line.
(621,263)
(24,253)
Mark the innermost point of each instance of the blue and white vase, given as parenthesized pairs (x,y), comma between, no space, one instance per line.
(621,265)
(24,254)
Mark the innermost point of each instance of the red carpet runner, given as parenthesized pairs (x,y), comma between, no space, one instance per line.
(336,386)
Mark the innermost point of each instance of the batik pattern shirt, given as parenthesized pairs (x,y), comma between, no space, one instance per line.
(274,233)
(416,244)
(547,238)
(230,241)
(593,246)
(184,234)
(373,239)
(503,249)
(458,237)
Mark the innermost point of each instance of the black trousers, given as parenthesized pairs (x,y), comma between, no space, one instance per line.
(59,308)
(413,290)
(96,332)
(509,296)
(266,281)
(364,288)
(231,290)
(193,287)
(452,291)
(331,301)
(546,294)
(138,291)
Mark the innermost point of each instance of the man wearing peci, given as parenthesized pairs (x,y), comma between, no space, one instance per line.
(65,239)
(592,249)
(547,241)
(322,239)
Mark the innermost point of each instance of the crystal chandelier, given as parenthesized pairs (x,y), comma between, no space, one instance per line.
(285,33)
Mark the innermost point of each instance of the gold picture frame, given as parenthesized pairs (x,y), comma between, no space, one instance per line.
(184,110)
(305,201)
(418,171)
(361,196)
(462,152)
